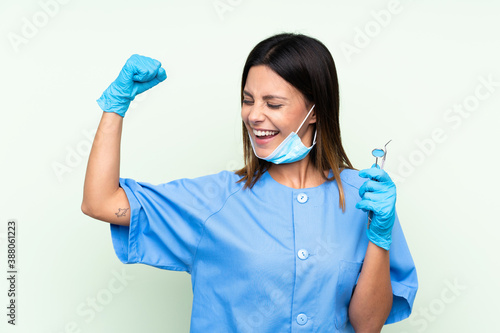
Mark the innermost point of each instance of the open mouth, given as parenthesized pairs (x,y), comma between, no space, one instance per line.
(265,134)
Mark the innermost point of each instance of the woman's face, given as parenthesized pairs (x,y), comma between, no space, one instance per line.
(272,109)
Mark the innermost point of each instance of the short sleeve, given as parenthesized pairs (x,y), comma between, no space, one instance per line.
(167,220)
(403,276)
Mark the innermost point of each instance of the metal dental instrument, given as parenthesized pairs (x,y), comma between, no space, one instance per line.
(378,153)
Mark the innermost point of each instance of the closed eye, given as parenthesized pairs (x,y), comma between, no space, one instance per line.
(274,106)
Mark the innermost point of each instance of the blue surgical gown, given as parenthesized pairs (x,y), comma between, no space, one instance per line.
(267,259)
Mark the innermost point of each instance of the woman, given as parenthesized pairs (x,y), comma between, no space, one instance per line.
(281,245)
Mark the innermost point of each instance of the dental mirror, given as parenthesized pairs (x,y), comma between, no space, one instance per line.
(380,153)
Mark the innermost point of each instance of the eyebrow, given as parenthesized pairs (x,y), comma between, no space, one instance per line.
(267,97)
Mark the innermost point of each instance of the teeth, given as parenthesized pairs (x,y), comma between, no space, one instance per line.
(264,133)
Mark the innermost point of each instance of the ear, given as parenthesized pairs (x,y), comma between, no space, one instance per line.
(313,114)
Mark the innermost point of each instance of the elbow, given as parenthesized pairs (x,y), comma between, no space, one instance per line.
(366,326)
(370,322)
(368,329)
(88,209)
(85,208)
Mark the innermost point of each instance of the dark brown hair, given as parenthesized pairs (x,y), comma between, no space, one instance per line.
(306,64)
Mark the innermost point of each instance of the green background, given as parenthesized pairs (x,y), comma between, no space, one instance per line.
(401,82)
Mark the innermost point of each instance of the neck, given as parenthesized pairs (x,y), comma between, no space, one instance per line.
(300,174)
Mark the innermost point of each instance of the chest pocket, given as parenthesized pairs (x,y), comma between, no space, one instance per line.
(348,275)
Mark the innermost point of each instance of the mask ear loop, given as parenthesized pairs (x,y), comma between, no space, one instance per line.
(303,121)
(314,140)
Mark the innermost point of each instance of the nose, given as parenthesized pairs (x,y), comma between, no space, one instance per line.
(256,114)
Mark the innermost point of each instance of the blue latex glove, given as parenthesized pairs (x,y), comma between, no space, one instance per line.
(378,195)
(139,74)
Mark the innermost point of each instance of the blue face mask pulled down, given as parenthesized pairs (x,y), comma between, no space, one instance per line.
(290,150)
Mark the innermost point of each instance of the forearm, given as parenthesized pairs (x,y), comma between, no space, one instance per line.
(371,301)
(103,168)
